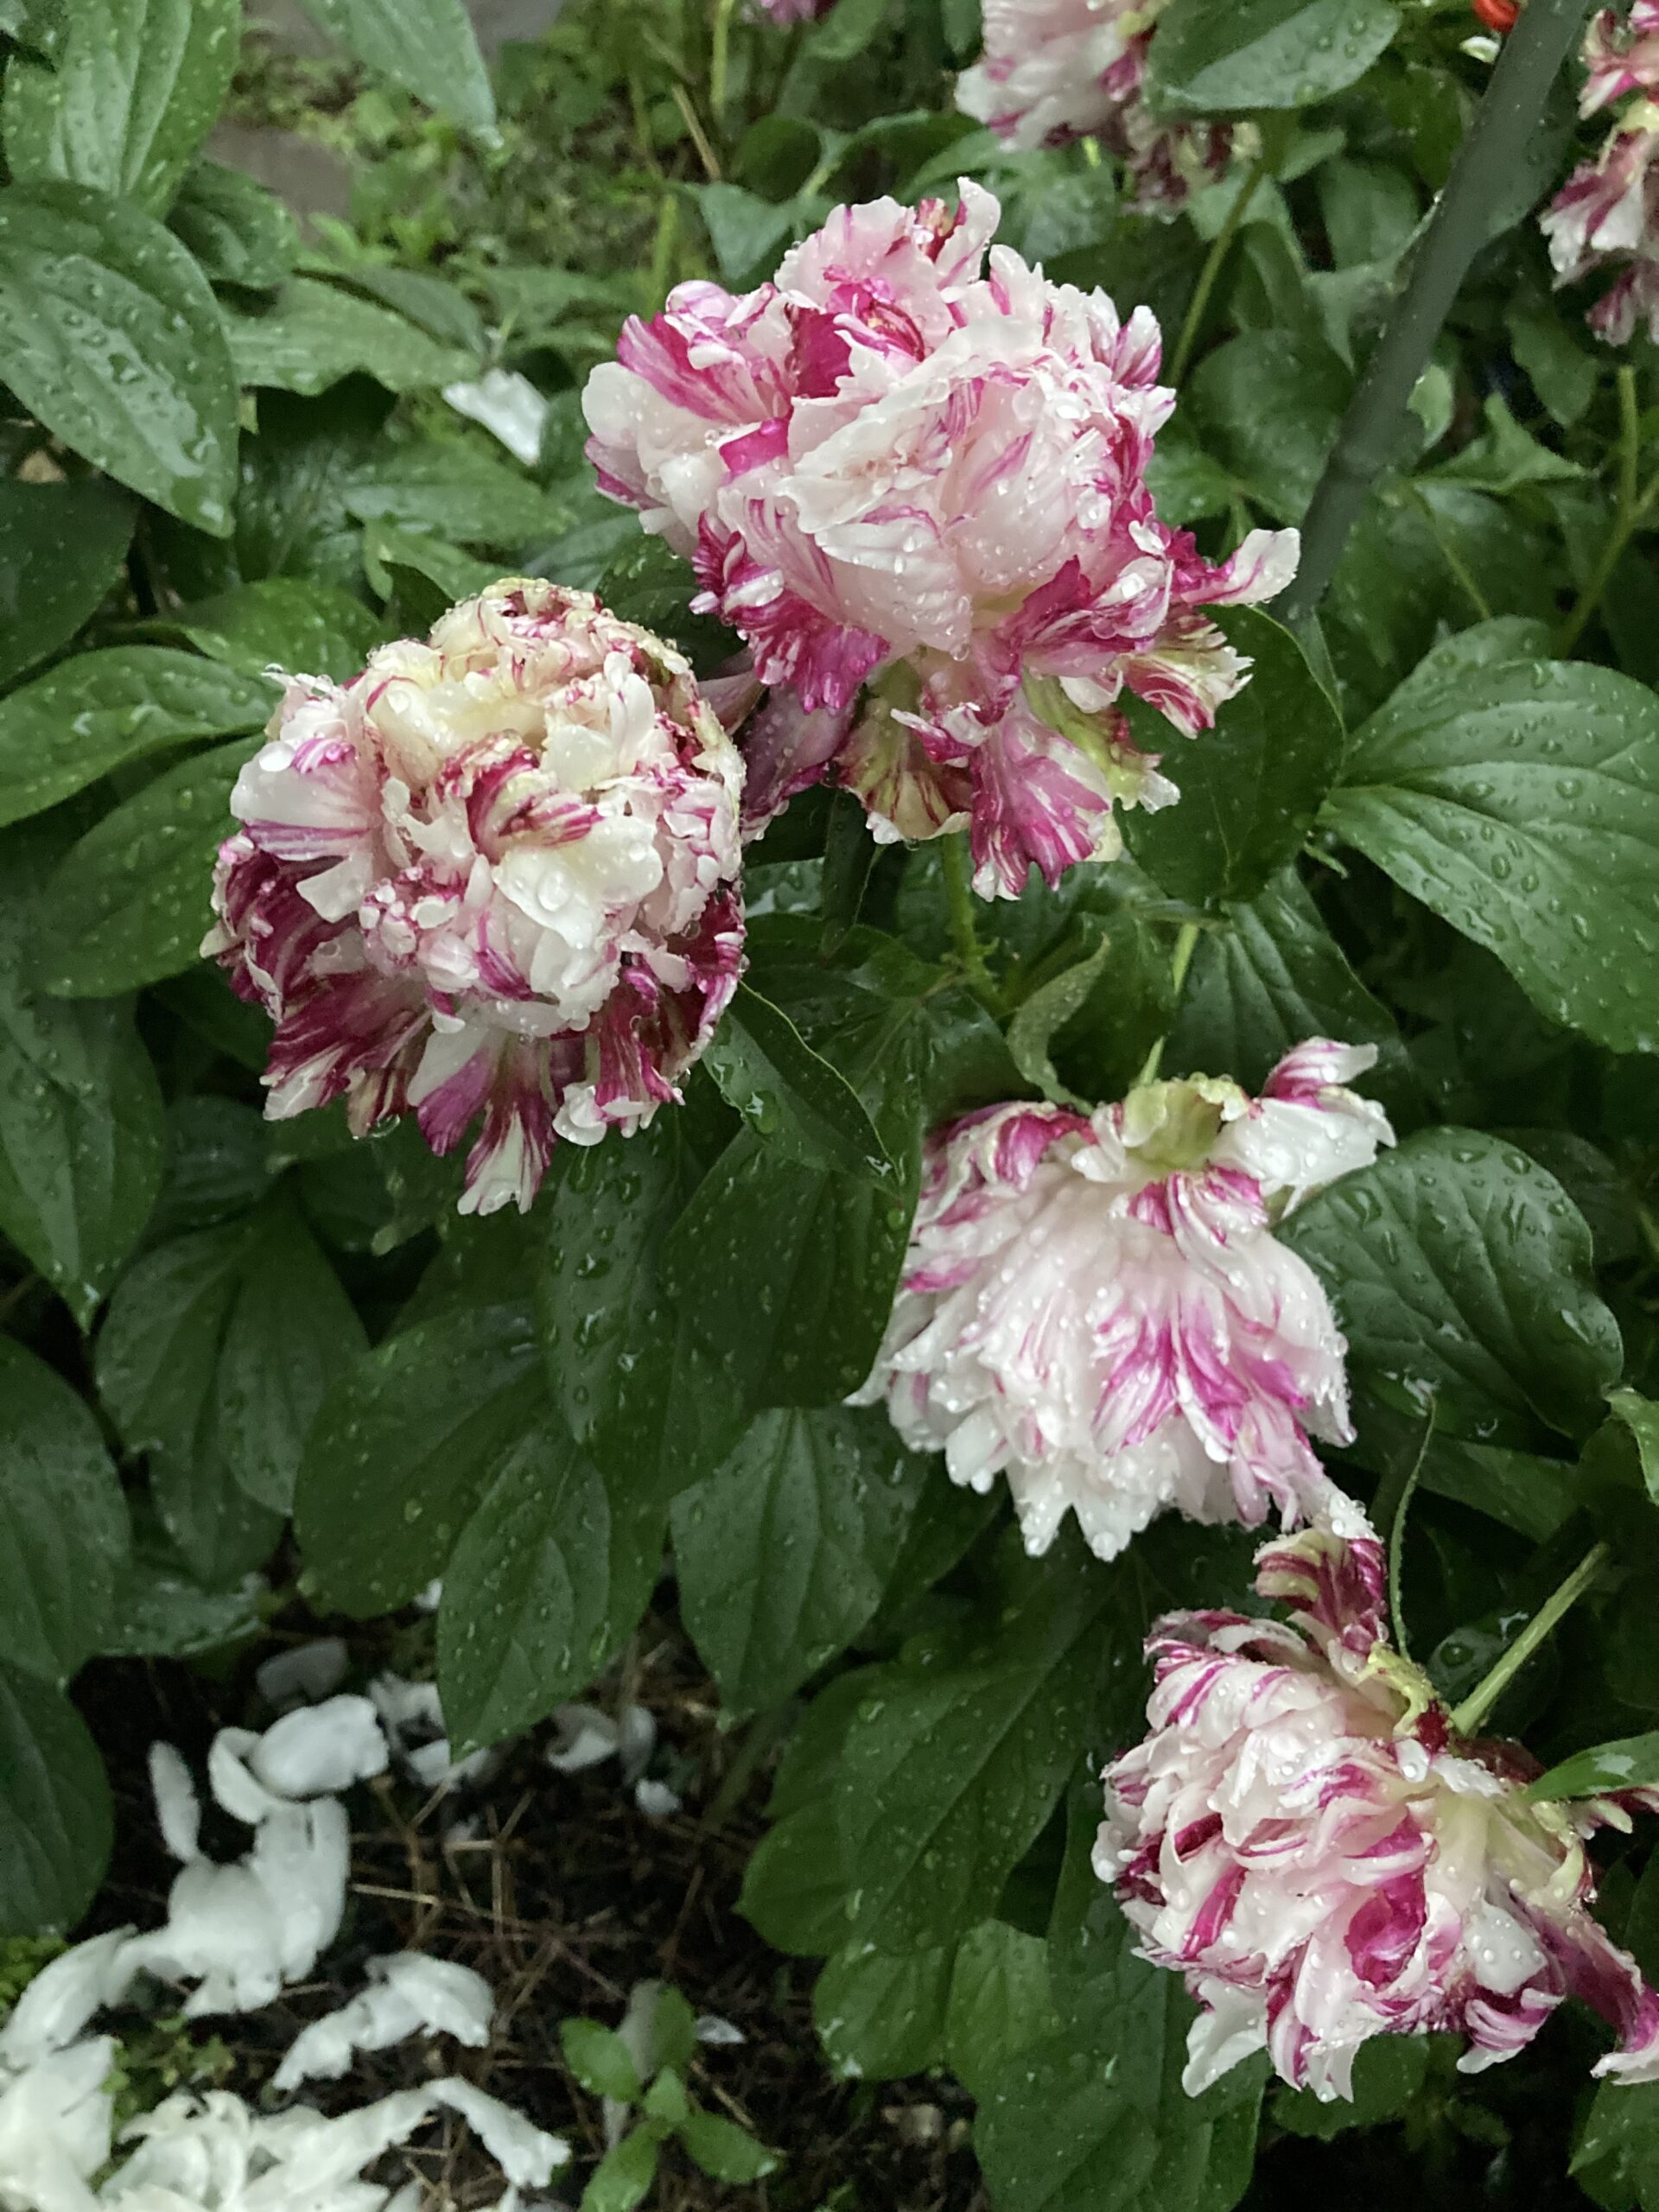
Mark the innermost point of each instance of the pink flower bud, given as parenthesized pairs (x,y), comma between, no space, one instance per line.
(1096,1307)
(1302,1836)
(495,876)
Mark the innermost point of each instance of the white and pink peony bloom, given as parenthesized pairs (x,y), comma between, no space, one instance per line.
(893,469)
(1096,1307)
(1302,1836)
(1605,217)
(495,876)
(1054,70)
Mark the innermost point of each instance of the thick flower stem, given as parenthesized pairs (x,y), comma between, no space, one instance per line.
(719,60)
(1479,1702)
(1220,247)
(1633,507)
(1373,432)
(959,902)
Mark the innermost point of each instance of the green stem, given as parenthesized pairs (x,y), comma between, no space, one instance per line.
(1186,943)
(1479,1702)
(1389,1512)
(1221,245)
(719,61)
(959,900)
(1631,511)
(1374,430)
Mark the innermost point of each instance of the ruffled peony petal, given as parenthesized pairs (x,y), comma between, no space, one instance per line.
(491,881)
(1301,1836)
(1096,1308)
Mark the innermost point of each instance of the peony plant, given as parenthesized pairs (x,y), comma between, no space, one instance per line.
(905,937)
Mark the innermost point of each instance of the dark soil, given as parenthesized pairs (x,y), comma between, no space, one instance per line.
(564,1896)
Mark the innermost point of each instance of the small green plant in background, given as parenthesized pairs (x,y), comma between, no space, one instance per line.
(640,2072)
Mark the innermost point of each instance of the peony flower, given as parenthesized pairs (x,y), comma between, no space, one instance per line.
(1055,70)
(1095,1304)
(1606,215)
(1302,1836)
(495,875)
(890,468)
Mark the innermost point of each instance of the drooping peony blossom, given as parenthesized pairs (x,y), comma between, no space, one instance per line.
(892,469)
(1606,215)
(1097,1306)
(1305,1839)
(1060,69)
(495,875)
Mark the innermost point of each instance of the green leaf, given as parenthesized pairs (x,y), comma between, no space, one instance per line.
(1641,1416)
(627,1371)
(880,2015)
(157,1366)
(93,712)
(404,1448)
(1520,800)
(744,229)
(428,47)
(1045,1012)
(789,1095)
(848,29)
(1251,787)
(288,622)
(161,1609)
(425,572)
(1000,2002)
(1460,1271)
(1268,405)
(131,93)
(311,334)
(1631,1762)
(62,546)
(1505,457)
(624,2176)
(1389,2073)
(666,2099)
(820,1251)
(551,1573)
(110,335)
(64,1531)
(951,1769)
(1272,977)
(783,1555)
(723,2148)
(291,1330)
(600,2060)
(130,903)
(81,1132)
(240,233)
(447,489)
(1226,57)
(55,1820)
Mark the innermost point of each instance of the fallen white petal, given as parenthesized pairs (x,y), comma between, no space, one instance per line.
(447,1998)
(713,2030)
(320,1748)
(586,1737)
(301,1856)
(178,1809)
(656,1800)
(525,2152)
(637,1740)
(223,1933)
(55,2129)
(235,1787)
(63,1997)
(310,1671)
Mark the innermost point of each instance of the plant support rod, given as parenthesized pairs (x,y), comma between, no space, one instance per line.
(1374,427)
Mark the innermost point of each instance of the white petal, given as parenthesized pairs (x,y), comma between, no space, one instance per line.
(525,2152)
(178,1809)
(320,1748)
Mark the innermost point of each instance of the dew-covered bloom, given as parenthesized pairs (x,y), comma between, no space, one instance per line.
(1606,215)
(1055,70)
(1096,1305)
(494,877)
(894,469)
(1303,1836)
